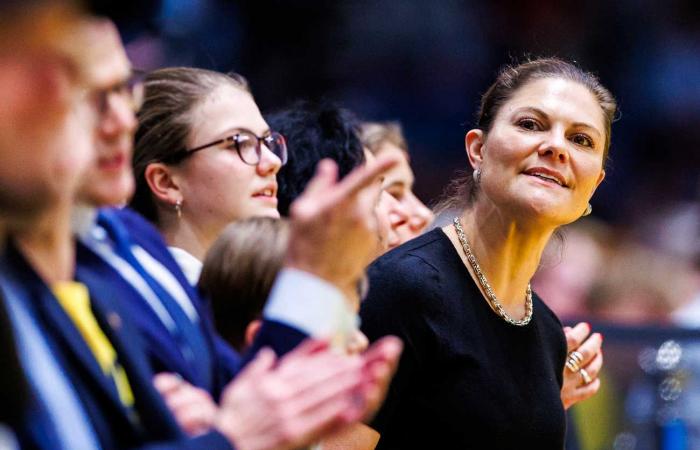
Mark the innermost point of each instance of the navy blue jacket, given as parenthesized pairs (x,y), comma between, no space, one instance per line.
(161,348)
(149,424)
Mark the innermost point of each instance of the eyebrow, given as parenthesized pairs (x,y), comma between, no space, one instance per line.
(541,113)
(399,183)
(233,130)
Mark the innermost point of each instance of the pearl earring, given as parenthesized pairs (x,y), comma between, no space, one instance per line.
(588,211)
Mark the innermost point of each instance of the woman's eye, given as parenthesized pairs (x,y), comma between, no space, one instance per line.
(398,194)
(529,124)
(582,139)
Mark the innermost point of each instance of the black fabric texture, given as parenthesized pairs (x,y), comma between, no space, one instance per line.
(467,379)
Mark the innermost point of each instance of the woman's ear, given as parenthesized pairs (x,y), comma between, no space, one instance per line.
(474,145)
(163,184)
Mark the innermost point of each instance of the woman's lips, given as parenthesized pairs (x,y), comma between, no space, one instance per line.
(267,195)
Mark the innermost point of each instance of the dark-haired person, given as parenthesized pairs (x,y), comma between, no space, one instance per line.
(386,138)
(318,130)
(484,356)
(315,131)
(382,138)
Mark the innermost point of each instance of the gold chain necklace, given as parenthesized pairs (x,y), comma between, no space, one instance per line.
(490,295)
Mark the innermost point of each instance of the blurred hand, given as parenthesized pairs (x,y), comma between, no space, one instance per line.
(589,345)
(193,408)
(333,224)
(310,393)
(380,363)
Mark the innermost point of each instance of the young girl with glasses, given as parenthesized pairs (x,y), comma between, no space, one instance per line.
(204,157)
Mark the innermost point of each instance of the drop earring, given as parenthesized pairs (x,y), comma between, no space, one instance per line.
(477,176)
(178,209)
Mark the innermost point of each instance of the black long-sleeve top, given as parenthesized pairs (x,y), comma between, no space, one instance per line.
(467,379)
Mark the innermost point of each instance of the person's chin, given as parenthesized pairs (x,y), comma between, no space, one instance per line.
(270,212)
(117,193)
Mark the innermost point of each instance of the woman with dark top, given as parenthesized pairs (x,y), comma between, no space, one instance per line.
(484,357)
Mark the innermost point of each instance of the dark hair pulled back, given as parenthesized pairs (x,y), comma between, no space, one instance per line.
(165,120)
(462,190)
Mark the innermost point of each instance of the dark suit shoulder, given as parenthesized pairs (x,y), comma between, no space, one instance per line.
(136,223)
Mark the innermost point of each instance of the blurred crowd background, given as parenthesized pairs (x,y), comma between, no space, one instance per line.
(633,267)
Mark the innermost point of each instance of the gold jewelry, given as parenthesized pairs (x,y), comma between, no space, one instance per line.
(178,209)
(574,360)
(572,366)
(585,376)
(490,295)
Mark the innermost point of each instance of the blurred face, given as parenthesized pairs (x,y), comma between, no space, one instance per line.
(390,215)
(109,180)
(45,140)
(543,158)
(398,182)
(217,187)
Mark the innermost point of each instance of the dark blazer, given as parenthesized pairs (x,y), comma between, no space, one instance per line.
(161,348)
(149,424)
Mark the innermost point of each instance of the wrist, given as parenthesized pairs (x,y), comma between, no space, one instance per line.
(225,424)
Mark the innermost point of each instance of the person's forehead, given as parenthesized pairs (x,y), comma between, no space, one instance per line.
(401,172)
(104,61)
(557,96)
(40,25)
(224,109)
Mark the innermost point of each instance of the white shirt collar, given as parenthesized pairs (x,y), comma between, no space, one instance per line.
(191,266)
(83,220)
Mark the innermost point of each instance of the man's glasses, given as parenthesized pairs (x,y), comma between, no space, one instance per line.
(247,145)
(130,90)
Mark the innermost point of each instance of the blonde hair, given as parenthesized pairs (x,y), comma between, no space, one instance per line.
(239,270)
(374,134)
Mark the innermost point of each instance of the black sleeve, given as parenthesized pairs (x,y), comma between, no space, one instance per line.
(401,295)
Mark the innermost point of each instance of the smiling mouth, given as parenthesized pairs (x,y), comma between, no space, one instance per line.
(546,178)
(543,175)
(265,193)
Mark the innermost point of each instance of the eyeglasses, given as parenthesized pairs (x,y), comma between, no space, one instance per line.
(247,145)
(130,90)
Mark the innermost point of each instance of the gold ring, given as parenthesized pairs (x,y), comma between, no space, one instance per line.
(584,375)
(573,362)
(576,356)
(572,366)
